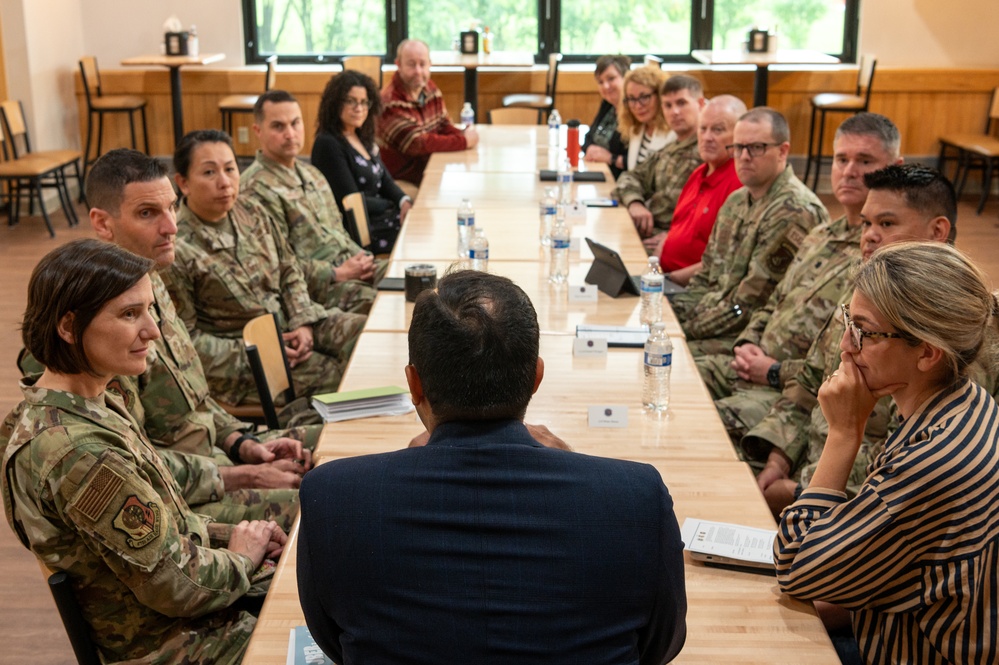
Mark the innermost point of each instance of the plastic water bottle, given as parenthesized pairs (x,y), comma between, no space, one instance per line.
(558,271)
(554,124)
(564,179)
(478,250)
(467,115)
(658,363)
(652,293)
(466,223)
(546,215)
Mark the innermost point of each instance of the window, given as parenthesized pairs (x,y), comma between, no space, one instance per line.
(324,30)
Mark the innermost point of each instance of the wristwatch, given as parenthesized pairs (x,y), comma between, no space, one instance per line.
(773,376)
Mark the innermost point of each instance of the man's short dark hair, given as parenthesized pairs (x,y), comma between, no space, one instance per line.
(273,97)
(923,188)
(79,277)
(780,132)
(474,343)
(876,126)
(107,178)
(190,141)
(679,82)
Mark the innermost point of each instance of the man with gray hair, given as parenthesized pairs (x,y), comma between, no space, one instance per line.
(759,230)
(747,380)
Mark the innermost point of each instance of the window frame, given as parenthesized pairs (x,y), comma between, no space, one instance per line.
(548,41)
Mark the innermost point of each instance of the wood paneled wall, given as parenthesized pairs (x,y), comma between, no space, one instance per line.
(924,103)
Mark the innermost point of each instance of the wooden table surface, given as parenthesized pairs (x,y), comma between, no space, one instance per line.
(430,234)
(556,313)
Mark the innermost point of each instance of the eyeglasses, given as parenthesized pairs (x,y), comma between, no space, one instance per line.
(857,335)
(754,149)
(641,100)
(355,103)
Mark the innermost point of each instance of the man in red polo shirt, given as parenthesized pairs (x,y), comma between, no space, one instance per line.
(705,192)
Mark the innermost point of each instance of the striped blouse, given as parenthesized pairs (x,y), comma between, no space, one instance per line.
(916,554)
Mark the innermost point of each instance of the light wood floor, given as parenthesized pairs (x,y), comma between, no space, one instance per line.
(30,630)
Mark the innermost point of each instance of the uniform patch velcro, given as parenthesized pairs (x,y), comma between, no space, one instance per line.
(98,494)
(139,521)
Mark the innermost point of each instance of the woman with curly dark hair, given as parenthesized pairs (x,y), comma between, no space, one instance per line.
(346,153)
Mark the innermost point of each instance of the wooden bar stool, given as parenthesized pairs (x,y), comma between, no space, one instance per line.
(831,102)
(366,64)
(99,104)
(974,151)
(244,103)
(543,104)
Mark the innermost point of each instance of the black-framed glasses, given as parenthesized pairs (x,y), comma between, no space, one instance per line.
(857,335)
(355,103)
(754,149)
(641,100)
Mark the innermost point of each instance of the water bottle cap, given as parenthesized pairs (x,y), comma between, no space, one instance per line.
(659,325)
(653,260)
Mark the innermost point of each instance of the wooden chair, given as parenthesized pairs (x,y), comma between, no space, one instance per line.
(543,104)
(265,350)
(99,104)
(830,102)
(233,104)
(974,151)
(77,628)
(35,170)
(513,116)
(356,219)
(366,64)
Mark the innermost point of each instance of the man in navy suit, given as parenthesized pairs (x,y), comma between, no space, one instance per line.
(487,540)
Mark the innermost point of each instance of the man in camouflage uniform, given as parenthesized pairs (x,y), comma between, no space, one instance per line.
(133,206)
(747,381)
(296,194)
(907,202)
(155,581)
(240,267)
(758,231)
(651,189)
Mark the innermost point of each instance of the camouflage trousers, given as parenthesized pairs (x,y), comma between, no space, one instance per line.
(741,405)
(281,506)
(308,434)
(219,638)
(710,346)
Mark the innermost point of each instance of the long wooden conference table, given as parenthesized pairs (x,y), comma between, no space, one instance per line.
(733,617)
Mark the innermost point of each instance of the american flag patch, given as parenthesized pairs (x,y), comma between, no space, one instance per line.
(99,491)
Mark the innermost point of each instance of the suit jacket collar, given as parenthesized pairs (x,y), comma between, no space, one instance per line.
(480,433)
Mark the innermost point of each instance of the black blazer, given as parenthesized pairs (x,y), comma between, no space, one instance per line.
(485,547)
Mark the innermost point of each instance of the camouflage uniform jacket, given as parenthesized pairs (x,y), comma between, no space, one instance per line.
(658,181)
(89,496)
(219,281)
(305,212)
(750,248)
(179,412)
(811,291)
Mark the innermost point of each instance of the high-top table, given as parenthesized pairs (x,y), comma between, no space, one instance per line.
(762,62)
(174,63)
(472,62)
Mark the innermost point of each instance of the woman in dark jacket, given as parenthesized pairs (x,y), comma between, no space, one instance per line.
(346,153)
(603,142)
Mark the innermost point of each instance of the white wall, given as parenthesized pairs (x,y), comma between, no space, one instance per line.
(930,33)
(118,29)
(40,53)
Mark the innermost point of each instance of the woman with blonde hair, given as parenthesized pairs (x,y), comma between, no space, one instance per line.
(914,556)
(640,115)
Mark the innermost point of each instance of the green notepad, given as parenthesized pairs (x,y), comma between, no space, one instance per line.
(363,394)
(383,401)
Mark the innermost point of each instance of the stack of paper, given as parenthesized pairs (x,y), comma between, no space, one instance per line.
(728,544)
(385,401)
(633,336)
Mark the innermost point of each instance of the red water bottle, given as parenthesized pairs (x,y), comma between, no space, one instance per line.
(572,143)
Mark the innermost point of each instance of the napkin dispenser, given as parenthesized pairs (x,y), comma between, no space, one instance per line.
(177,43)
